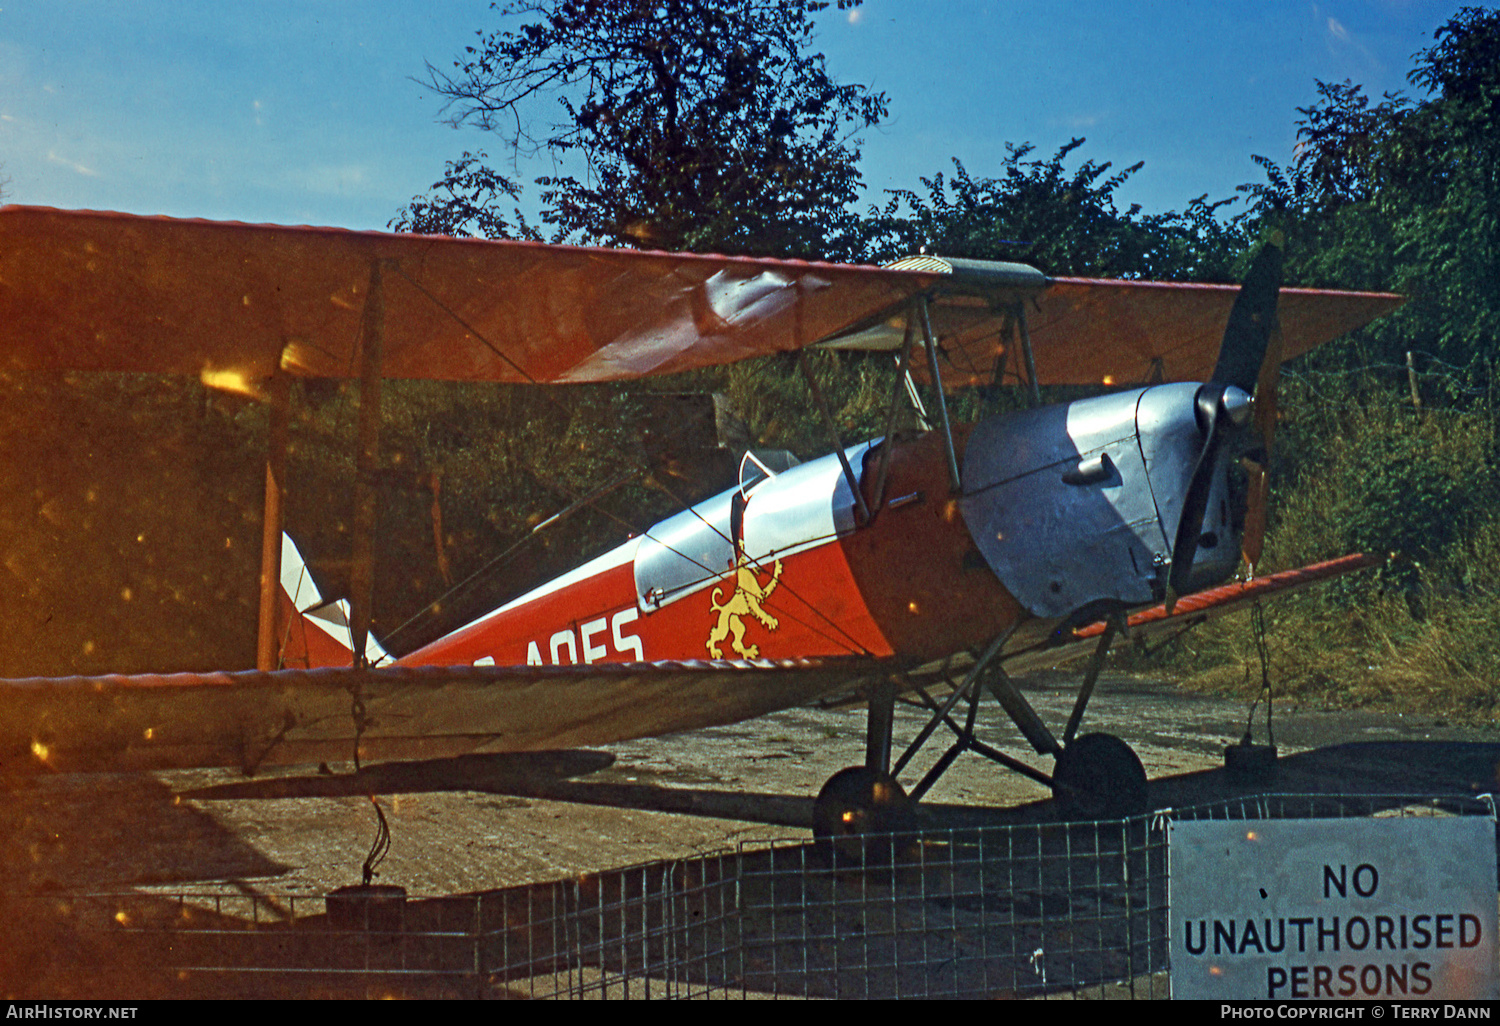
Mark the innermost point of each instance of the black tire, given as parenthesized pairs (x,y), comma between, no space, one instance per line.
(856,812)
(1098,776)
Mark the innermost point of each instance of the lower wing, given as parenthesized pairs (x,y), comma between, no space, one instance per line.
(253,718)
(1156,622)
(1189,611)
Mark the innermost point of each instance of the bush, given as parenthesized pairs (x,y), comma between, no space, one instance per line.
(1367,473)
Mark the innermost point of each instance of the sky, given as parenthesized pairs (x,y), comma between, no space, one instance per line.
(313,112)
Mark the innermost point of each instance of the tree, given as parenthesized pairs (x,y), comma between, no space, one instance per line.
(1338,158)
(464,202)
(1399,195)
(1065,222)
(1405,195)
(1444,185)
(701,124)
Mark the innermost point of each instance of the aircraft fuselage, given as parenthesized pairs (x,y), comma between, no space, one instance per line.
(1065,510)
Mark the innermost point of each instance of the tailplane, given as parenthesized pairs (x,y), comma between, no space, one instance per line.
(314,632)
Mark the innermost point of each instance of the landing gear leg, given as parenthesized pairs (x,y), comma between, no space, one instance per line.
(1097,776)
(864,800)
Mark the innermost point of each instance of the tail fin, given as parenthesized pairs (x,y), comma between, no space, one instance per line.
(314,632)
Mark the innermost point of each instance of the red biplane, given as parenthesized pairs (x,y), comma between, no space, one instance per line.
(931,564)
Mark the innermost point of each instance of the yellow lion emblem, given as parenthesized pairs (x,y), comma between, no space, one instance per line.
(748,595)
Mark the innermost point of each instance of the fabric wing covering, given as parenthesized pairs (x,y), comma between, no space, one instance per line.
(92,291)
(95,291)
(1089,331)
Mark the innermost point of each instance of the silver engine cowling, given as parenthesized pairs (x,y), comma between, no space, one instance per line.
(1076,507)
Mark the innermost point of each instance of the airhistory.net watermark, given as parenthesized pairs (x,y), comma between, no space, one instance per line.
(55,1010)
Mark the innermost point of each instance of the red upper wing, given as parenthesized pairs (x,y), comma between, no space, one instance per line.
(1088,331)
(84,290)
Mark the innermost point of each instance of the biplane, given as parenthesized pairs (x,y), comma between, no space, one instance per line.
(923,566)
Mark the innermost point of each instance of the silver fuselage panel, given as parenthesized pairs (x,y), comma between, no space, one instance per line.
(806,505)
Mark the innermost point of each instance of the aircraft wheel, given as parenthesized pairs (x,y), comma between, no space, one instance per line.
(1098,776)
(855,806)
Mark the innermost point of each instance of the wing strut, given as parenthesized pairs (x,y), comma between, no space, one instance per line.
(267,647)
(833,429)
(903,379)
(954,481)
(366,462)
(1025,336)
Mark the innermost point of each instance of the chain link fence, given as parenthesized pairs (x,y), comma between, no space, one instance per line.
(1046,910)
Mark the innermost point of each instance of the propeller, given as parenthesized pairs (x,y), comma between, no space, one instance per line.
(1222,404)
(1253,542)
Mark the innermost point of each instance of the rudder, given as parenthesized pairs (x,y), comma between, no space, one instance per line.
(313,632)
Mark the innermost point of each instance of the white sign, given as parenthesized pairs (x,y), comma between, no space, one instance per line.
(1333,909)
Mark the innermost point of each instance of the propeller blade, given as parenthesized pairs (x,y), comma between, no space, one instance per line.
(1213,418)
(1222,401)
(1247,336)
(1253,544)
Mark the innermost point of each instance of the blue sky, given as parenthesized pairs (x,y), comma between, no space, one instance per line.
(307,112)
